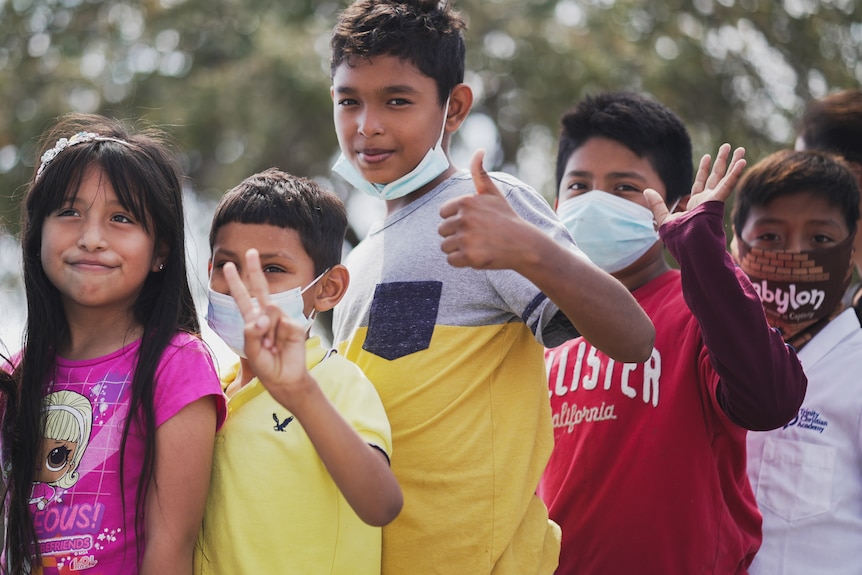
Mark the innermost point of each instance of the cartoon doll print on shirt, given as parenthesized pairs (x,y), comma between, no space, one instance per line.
(67,419)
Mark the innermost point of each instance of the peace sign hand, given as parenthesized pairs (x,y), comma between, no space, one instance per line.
(274,343)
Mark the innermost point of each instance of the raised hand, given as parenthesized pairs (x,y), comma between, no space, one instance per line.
(715,185)
(274,343)
(480,230)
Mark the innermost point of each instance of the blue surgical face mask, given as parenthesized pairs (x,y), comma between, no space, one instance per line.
(225,318)
(612,231)
(432,165)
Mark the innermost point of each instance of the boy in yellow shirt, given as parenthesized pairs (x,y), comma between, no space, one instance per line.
(301,479)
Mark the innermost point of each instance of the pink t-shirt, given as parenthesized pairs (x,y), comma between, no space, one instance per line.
(81,522)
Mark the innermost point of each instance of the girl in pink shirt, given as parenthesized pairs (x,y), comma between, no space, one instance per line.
(109,425)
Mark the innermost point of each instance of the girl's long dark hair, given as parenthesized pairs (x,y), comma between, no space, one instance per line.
(145,178)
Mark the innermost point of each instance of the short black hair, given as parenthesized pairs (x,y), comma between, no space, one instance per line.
(834,124)
(789,172)
(644,126)
(425,33)
(280,199)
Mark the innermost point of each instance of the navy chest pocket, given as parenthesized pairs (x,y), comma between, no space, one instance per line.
(402,318)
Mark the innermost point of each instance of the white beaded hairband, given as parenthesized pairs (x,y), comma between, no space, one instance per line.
(63,143)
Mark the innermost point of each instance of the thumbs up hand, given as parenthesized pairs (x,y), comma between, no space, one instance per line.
(481,230)
(481,179)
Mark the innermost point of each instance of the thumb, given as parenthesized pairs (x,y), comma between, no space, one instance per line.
(656,205)
(481,179)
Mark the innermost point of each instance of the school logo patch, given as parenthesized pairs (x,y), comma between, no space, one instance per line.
(809,419)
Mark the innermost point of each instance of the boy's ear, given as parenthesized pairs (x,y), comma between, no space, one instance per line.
(460,102)
(209,267)
(332,288)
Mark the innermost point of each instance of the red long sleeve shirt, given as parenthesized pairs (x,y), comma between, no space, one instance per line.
(648,471)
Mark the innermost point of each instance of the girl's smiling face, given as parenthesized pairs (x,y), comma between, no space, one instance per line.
(95,252)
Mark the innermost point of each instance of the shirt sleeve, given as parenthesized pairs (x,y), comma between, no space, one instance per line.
(186,373)
(356,399)
(536,310)
(761,382)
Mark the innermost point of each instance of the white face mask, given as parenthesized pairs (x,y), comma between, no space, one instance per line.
(612,231)
(432,165)
(225,318)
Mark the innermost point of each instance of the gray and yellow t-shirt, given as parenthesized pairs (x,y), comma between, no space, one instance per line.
(456,355)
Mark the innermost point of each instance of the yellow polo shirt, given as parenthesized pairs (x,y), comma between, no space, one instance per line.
(272,505)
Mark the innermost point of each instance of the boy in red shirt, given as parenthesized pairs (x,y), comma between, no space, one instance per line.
(648,472)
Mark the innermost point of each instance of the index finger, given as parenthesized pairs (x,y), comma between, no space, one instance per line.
(719,167)
(238,291)
(701,175)
(256,278)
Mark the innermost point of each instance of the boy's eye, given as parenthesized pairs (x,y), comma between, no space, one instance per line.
(399,102)
(120,218)
(219,264)
(576,186)
(822,239)
(768,237)
(347,102)
(273,269)
(628,192)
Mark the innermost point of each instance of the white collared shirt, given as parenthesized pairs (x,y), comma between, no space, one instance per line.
(807,476)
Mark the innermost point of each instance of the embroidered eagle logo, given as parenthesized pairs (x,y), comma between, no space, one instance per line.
(280,426)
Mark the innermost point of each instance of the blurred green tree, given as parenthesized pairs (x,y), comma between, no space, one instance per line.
(243,85)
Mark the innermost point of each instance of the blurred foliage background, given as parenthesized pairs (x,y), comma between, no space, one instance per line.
(243,85)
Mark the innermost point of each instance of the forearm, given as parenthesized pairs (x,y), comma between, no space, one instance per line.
(177,493)
(167,556)
(762,382)
(597,304)
(361,472)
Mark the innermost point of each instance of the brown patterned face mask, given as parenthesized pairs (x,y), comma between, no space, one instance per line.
(797,289)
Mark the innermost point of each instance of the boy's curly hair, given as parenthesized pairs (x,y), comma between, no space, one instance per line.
(425,33)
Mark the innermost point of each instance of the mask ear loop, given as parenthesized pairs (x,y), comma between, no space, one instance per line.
(315,280)
(445,119)
(313,315)
(670,210)
(310,323)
